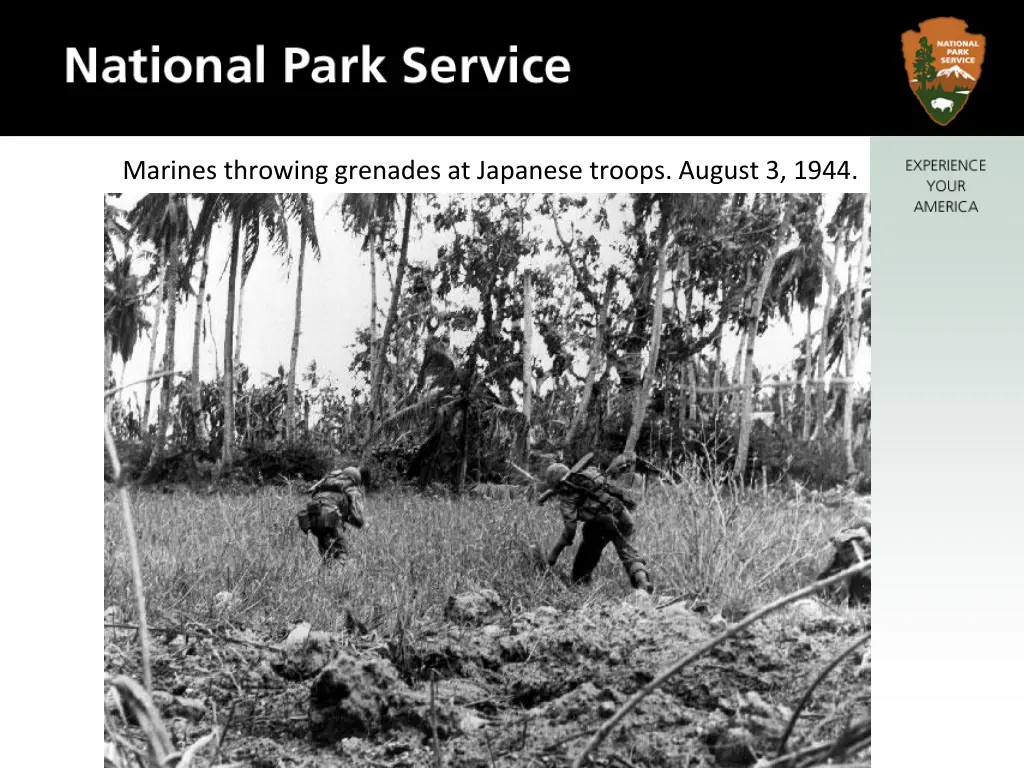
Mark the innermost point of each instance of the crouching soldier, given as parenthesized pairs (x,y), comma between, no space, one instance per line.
(604,509)
(852,546)
(337,501)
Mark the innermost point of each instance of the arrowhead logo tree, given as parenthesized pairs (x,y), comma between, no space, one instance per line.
(943,63)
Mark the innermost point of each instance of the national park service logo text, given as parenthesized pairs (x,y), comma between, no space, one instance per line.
(943,64)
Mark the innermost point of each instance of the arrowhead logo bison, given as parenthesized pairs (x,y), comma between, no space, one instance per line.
(943,64)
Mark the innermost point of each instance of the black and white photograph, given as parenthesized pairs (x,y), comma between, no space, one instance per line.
(487,480)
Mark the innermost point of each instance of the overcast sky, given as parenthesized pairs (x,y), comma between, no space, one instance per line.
(336,301)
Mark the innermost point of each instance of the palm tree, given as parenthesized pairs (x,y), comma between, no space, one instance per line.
(370,214)
(666,242)
(802,274)
(115,231)
(124,317)
(389,324)
(300,208)
(755,306)
(256,214)
(163,220)
(459,411)
(209,214)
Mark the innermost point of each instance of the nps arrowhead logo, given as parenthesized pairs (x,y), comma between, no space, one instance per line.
(943,64)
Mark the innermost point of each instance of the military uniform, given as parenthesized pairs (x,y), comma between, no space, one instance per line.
(336,501)
(851,544)
(588,497)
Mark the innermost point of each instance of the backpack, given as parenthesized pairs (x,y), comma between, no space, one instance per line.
(604,491)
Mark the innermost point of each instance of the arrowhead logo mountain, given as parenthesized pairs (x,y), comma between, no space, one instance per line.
(943,63)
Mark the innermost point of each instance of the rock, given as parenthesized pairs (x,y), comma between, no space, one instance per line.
(807,609)
(864,668)
(361,697)
(191,709)
(676,609)
(350,698)
(470,723)
(178,706)
(303,659)
(473,607)
(492,630)
(606,709)
(298,634)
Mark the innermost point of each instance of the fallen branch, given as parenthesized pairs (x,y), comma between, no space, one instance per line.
(817,681)
(856,738)
(161,375)
(608,725)
(202,631)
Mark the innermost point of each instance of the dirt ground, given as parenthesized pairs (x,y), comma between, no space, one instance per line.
(509,690)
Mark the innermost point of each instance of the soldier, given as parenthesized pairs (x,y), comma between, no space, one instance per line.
(589,497)
(851,545)
(336,501)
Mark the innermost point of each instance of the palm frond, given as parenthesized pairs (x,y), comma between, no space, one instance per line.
(424,411)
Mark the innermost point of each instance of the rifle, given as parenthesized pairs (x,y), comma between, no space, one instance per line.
(575,468)
(523,472)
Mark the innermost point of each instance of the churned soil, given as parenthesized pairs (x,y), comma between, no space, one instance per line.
(489,688)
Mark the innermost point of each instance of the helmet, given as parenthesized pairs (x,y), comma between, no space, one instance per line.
(352,474)
(555,473)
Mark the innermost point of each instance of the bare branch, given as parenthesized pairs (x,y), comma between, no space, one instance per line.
(607,727)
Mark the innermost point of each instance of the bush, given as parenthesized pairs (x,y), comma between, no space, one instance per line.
(277,463)
(259,464)
(819,464)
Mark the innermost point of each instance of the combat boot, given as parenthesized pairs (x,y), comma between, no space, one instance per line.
(642,581)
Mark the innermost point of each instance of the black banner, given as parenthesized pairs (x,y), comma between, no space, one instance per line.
(724,71)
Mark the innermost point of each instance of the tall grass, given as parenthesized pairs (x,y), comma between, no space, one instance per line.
(417,550)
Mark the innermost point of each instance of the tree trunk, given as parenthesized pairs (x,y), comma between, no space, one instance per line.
(167,387)
(155,336)
(213,340)
(596,353)
(227,452)
(743,446)
(238,324)
(716,377)
(527,364)
(202,434)
(460,482)
(642,396)
(108,359)
(289,408)
(737,370)
(373,304)
(805,431)
(819,411)
(853,336)
(780,393)
(691,373)
(389,324)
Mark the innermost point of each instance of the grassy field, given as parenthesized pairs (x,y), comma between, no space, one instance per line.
(416,550)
